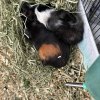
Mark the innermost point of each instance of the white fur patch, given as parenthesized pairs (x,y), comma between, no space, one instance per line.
(59,57)
(44,15)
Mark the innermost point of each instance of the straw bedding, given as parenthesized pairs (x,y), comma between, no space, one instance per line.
(22,76)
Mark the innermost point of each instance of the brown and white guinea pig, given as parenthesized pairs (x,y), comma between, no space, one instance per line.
(51,50)
(67,26)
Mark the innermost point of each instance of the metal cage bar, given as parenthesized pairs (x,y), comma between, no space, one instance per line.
(92,10)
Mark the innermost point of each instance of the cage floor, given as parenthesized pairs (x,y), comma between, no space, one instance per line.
(36,82)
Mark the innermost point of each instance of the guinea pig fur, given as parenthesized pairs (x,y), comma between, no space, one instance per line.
(67,26)
(51,51)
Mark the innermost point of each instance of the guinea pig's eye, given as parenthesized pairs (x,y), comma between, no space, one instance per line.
(32,16)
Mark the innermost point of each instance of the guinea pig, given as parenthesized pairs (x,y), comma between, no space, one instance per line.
(51,50)
(66,26)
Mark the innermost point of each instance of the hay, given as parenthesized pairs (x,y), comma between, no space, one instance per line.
(22,76)
(70,5)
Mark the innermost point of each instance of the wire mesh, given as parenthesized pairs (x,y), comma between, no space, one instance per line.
(92,9)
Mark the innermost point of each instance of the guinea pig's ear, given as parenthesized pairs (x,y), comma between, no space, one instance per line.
(27,11)
(25,8)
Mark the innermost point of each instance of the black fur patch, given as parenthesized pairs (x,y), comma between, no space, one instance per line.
(40,35)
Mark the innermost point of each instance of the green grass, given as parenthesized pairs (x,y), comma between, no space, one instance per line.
(22,76)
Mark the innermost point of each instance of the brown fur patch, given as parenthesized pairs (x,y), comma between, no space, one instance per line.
(47,51)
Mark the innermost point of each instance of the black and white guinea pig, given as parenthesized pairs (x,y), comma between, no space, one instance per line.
(67,26)
(51,51)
